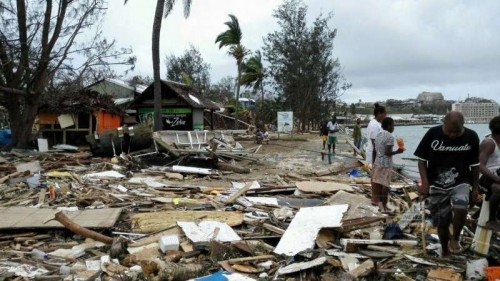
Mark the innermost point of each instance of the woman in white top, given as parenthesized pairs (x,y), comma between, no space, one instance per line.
(374,127)
(489,166)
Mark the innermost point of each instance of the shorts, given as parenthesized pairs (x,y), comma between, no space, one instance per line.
(443,201)
(357,143)
(332,139)
(324,137)
(382,175)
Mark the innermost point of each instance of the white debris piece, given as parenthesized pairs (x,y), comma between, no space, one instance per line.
(303,230)
(206,231)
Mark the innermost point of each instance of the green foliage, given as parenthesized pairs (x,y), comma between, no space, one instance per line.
(232,38)
(44,43)
(269,109)
(223,91)
(189,68)
(253,73)
(303,69)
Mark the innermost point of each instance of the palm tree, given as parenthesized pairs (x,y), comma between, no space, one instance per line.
(163,9)
(232,39)
(253,76)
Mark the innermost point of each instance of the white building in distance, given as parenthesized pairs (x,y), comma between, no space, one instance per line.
(477,112)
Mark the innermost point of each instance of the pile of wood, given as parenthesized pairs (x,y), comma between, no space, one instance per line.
(73,217)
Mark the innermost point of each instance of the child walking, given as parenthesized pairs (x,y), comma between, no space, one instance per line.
(383,164)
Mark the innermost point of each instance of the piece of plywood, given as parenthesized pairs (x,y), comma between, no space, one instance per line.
(443,274)
(151,222)
(320,187)
(206,231)
(66,120)
(303,230)
(299,266)
(359,205)
(414,213)
(21,217)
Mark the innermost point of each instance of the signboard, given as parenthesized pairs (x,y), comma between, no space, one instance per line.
(178,119)
(285,121)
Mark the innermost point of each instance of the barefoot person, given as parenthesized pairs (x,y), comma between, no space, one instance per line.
(382,166)
(449,169)
(489,166)
(374,127)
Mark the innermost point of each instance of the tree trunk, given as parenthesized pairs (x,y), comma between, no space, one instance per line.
(237,106)
(261,111)
(21,121)
(158,122)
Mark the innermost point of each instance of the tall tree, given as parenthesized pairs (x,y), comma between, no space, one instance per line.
(232,38)
(302,66)
(163,9)
(190,68)
(253,76)
(41,45)
(223,91)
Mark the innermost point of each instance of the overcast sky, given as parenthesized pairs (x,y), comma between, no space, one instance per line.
(388,48)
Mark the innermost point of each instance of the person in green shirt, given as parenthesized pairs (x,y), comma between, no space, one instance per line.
(356,135)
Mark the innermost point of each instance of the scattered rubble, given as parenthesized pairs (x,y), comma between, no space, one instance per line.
(217,210)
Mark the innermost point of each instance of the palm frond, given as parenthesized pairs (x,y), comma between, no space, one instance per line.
(187,8)
(232,36)
(253,72)
(169,5)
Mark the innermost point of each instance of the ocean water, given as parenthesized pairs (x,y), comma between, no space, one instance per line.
(412,136)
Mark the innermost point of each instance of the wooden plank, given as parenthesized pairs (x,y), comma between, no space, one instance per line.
(299,266)
(345,242)
(443,274)
(251,259)
(363,269)
(320,187)
(238,193)
(359,205)
(41,197)
(273,228)
(21,218)
(151,222)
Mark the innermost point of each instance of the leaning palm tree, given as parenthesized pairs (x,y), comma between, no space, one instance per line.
(253,76)
(232,39)
(163,9)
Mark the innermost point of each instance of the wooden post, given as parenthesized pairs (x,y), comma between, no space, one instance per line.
(482,236)
(78,229)
(424,241)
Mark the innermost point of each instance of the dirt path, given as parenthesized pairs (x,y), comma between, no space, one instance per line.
(302,157)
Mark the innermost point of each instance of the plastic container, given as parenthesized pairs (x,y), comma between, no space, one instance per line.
(39,254)
(169,243)
(400,142)
(492,273)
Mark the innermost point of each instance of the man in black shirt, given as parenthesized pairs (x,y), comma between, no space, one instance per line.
(449,170)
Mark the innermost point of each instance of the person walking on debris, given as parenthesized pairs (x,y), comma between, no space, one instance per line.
(374,127)
(356,135)
(333,128)
(382,166)
(489,166)
(323,132)
(448,163)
